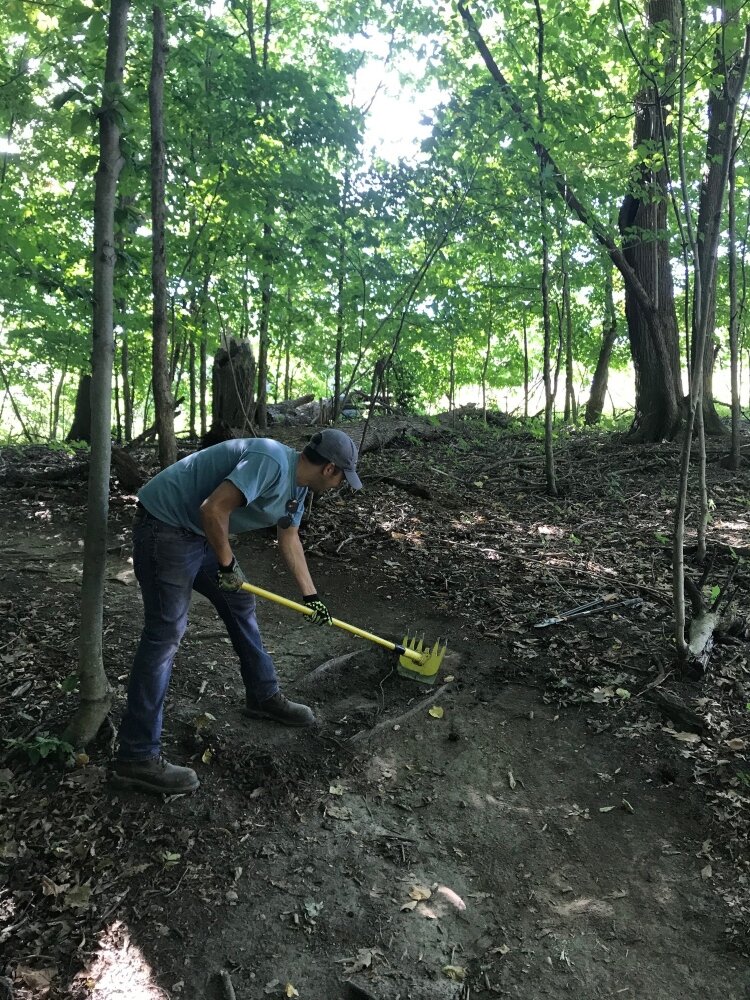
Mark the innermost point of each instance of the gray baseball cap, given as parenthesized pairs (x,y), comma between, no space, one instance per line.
(338,448)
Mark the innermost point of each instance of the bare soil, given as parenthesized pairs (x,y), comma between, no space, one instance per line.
(531,826)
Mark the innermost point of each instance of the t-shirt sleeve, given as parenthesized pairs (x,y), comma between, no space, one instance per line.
(297,516)
(255,475)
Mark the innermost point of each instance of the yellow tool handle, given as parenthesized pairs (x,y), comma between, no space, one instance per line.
(304,610)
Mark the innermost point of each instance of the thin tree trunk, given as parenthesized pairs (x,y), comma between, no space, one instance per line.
(127,392)
(14,405)
(722,97)
(95,692)
(487,353)
(261,410)
(203,381)
(56,402)
(525,368)
(595,404)
(734,459)
(163,399)
(116,387)
(340,292)
(549,457)
(193,393)
(706,254)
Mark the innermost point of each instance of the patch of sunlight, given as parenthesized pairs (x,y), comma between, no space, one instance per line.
(550,530)
(734,532)
(119,970)
(452,897)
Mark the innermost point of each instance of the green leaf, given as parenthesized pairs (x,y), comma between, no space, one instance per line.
(81,122)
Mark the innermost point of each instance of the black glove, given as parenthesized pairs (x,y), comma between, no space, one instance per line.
(322,615)
(230,577)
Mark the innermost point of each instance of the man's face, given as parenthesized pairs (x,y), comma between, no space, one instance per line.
(328,478)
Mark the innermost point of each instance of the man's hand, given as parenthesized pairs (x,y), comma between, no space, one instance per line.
(230,577)
(322,615)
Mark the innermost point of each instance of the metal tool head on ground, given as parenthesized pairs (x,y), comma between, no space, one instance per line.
(420,662)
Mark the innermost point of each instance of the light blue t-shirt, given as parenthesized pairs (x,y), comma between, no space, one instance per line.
(264,471)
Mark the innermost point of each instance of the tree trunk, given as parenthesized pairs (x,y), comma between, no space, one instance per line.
(340,290)
(643,226)
(261,415)
(96,695)
(734,459)
(570,396)
(80,429)
(488,349)
(595,404)
(127,392)
(549,457)
(702,257)
(56,402)
(163,399)
(193,407)
(721,113)
(525,368)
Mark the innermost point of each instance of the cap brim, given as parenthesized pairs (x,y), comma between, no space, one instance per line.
(353,479)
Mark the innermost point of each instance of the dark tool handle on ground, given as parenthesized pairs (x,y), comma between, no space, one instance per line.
(304,610)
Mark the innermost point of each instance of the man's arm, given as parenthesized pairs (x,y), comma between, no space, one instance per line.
(215,512)
(294,557)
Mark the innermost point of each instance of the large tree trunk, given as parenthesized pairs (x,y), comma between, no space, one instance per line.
(96,695)
(643,225)
(80,429)
(595,404)
(234,386)
(163,399)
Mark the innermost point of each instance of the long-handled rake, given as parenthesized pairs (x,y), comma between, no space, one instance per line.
(417,661)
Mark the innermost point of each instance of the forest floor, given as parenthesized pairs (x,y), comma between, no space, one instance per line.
(574,822)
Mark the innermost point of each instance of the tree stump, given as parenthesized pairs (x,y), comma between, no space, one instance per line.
(234,385)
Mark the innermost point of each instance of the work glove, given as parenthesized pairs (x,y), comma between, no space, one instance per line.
(322,615)
(230,577)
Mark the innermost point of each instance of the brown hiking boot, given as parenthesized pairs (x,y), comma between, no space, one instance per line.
(280,709)
(155,775)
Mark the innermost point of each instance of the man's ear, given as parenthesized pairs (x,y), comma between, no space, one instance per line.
(329,469)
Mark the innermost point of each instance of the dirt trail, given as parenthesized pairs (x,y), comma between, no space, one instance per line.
(511,847)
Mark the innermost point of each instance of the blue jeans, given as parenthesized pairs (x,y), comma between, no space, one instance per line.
(169,564)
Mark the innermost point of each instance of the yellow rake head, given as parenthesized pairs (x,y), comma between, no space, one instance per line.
(419,662)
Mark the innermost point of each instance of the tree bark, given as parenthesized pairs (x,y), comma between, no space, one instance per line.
(95,692)
(163,399)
